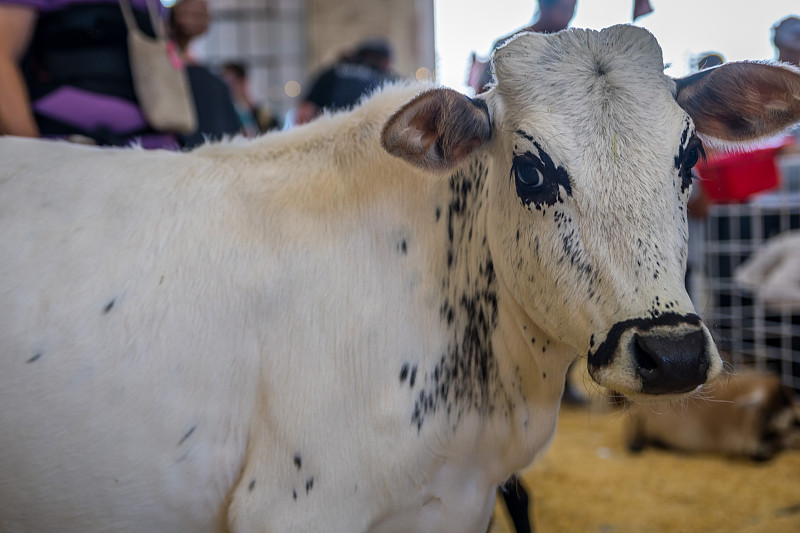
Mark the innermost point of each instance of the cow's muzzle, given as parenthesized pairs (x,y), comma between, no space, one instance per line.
(668,354)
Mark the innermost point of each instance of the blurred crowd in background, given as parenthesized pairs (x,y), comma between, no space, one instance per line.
(65,71)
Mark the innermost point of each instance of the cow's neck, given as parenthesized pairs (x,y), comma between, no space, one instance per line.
(491,365)
(465,376)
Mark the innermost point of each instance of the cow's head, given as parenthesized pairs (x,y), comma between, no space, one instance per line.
(592,151)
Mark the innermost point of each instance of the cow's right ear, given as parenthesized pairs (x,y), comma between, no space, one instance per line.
(437,130)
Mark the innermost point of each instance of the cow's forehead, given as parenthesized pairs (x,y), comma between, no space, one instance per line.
(597,101)
(586,73)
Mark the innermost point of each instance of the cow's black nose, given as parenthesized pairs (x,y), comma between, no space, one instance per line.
(669,364)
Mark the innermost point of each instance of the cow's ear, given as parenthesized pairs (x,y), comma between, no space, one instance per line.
(741,102)
(437,130)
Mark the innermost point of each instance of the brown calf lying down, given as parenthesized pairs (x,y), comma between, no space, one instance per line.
(748,414)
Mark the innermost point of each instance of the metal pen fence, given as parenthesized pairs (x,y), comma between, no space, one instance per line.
(751,331)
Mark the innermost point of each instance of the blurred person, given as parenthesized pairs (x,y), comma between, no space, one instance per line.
(550,16)
(344,83)
(786,38)
(216,112)
(255,118)
(65,70)
(188,19)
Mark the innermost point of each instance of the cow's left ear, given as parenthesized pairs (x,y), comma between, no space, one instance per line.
(437,130)
(741,102)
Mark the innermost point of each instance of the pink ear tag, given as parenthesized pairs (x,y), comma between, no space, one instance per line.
(173,55)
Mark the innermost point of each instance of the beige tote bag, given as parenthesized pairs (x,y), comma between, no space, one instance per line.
(159,75)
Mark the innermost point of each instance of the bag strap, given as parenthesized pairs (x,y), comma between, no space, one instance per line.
(155,18)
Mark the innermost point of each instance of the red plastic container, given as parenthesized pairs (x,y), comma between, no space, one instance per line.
(734,177)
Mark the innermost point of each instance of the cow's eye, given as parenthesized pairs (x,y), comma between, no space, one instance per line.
(688,159)
(538,180)
(691,157)
(694,151)
(527,172)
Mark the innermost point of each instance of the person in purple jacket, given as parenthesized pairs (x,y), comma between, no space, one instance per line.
(64,69)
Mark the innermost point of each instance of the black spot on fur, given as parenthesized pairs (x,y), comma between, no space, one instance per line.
(403,247)
(34,358)
(294,494)
(461,380)
(403,372)
(298,461)
(252,485)
(187,435)
(413,377)
(108,306)
(309,484)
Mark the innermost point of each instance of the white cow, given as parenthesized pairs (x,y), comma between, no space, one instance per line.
(363,324)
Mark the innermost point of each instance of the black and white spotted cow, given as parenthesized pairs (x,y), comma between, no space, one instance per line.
(362,325)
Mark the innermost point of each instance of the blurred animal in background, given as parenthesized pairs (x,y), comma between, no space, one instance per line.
(747,414)
(773,272)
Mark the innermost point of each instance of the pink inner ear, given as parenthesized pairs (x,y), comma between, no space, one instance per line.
(424,124)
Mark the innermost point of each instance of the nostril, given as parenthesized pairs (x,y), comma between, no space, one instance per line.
(646,364)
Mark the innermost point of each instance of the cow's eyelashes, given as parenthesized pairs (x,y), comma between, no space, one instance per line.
(528,170)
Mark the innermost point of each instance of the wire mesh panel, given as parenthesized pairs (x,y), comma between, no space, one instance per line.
(751,330)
